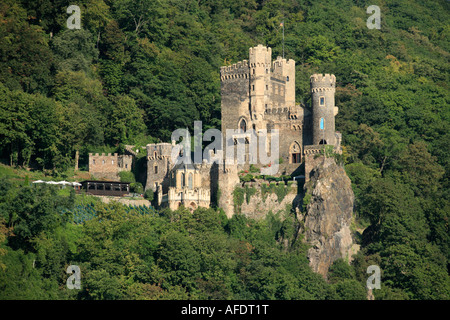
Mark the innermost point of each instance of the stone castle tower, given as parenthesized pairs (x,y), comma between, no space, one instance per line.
(260,94)
(323,109)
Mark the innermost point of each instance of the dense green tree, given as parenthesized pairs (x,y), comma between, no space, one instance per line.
(26,59)
(74,50)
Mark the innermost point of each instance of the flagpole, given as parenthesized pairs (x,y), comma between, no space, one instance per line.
(283,39)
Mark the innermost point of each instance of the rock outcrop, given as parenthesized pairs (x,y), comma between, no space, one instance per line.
(328,215)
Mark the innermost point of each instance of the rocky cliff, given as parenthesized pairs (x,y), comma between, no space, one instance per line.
(327,217)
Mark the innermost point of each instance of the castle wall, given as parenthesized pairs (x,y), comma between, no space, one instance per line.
(228,180)
(107,166)
(235,95)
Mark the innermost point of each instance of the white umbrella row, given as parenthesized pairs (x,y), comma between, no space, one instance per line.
(67,183)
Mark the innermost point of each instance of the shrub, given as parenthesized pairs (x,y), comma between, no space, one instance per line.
(127,176)
(247,178)
(136,187)
(254,169)
(249,192)
(238,198)
(149,194)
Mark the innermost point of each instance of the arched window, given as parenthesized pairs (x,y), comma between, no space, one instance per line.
(191,181)
(295,153)
(182,182)
(243,125)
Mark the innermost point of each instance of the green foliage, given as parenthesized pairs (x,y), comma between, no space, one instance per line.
(247,178)
(127,176)
(238,197)
(254,169)
(249,192)
(306,200)
(136,187)
(149,194)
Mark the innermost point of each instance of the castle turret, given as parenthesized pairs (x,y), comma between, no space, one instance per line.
(260,60)
(284,70)
(158,165)
(323,88)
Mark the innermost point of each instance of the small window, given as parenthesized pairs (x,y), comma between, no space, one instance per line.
(126,165)
(93,161)
(253,87)
(287,79)
(243,126)
(296,158)
(254,70)
(267,87)
(267,71)
(156,169)
(322,101)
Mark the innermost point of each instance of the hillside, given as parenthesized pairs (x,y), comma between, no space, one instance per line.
(137,70)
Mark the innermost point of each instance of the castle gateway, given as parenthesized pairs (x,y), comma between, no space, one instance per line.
(257,96)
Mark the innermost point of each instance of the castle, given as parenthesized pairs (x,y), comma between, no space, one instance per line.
(256,94)
(257,97)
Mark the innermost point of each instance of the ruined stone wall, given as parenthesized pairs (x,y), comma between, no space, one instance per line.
(106,166)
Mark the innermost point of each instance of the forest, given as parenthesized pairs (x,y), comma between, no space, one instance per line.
(137,70)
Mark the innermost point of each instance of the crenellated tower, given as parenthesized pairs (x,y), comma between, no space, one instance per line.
(260,61)
(323,88)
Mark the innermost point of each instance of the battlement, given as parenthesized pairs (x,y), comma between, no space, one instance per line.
(103,155)
(237,70)
(321,82)
(260,56)
(313,149)
(260,49)
(280,62)
(158,150)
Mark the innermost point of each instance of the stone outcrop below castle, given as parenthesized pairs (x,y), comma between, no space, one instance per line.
(328,215)
(261,197)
